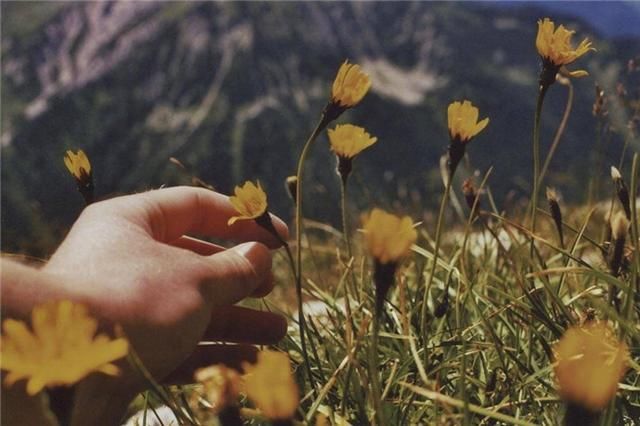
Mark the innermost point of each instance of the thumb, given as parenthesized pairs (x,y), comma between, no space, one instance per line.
(234,274)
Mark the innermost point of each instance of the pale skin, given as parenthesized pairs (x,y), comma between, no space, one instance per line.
(133,262)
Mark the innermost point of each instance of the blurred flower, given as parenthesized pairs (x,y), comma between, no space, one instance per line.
(78,164)
(221,385)
(389,239)
(80,168)
(463,125)
(61,350)
(347,141)
(270,385)
(589,363)
(349,86)
(554,46)
(463,121)
(250,201)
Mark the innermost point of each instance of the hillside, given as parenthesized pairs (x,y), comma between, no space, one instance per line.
(233,89)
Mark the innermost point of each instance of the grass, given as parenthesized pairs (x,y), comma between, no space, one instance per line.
(467,332)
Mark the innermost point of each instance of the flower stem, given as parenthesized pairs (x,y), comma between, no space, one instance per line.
(561,128)
(322,123)
(536,159)
(345,222)
(436,250)
(376,394)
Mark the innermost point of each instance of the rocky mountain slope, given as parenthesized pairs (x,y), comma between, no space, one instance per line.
(233,89)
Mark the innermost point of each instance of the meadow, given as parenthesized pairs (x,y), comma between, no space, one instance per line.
(480,316)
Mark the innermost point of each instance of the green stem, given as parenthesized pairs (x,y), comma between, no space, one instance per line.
(322,123)
(536,159)
(559,132)
(436,250)
(345,222)
(373,370)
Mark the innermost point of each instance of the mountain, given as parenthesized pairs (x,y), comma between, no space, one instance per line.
(232,89)
(611,19)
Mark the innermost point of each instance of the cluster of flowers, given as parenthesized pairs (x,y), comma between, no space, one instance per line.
(62,348)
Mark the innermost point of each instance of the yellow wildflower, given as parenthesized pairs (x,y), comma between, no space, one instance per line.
(78,165)
(554,46)
(250,201)
(463,121)
(270,385)
(589,363)
(389,237)
(348,140)
(80,168)
(61,350)
(349,86)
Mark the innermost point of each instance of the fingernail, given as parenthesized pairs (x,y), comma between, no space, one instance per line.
(256,253)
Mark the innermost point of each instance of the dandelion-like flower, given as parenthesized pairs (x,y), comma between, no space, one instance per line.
(350,85)
(270,385)
(61,350)
(389,239)
(346,142)
(80,168)
(462,118)
(463,121)
(250,201)
(554,46)
(590,362)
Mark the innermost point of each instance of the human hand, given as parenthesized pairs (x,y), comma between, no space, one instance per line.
(130,261)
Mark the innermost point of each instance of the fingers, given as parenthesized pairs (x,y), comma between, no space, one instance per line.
(203,248)
(230,276)
(172,212)
(232,356)
(244,325)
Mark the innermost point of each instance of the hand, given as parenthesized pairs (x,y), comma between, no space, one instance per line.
(130,261)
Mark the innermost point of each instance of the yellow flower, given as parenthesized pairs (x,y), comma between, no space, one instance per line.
(250,201)
(348,140)
(350,85)
(389,238)
(554,45)
(78,165)
(589,363)
(270,385)
(61,350)
(463,121)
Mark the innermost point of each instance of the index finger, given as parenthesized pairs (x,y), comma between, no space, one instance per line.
(169,213)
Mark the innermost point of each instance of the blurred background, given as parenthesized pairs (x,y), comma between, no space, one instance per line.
(233,90)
